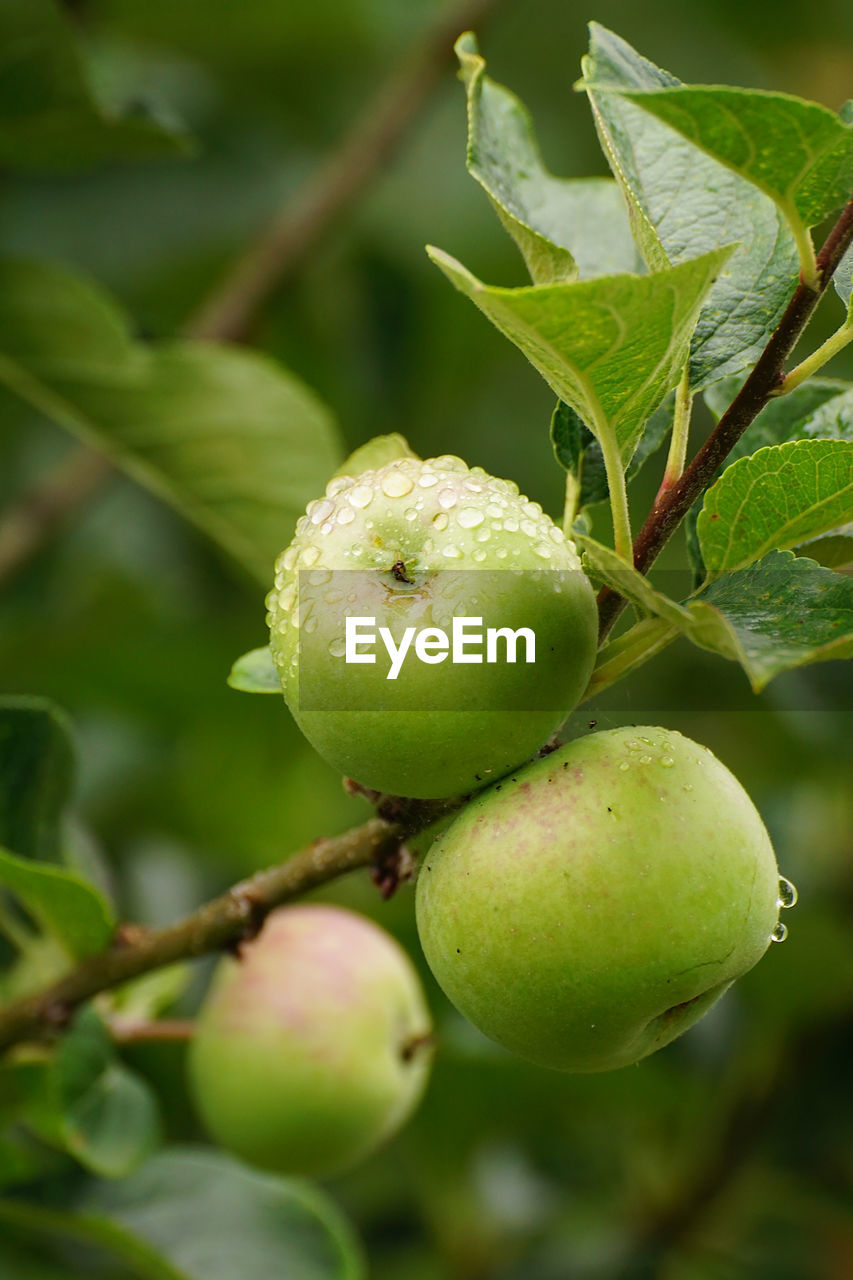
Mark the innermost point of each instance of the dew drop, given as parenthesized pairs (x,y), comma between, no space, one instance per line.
(647,741)
(451,552)
(624,766)
(427,479)
(469,517)
(310,625)
(532,509)
(479,555)
(511,525)
(780,932)
(410,514)
(787,893)
(290,558)
(482,535)
(346,515)
(529,528)
(320,577)
(396,484)
(320,511)
(555,534)
(309,556)
(360,497)
(441,520)
(688,786)
(542,550)
(645,759)
(335,486)
(501,553)
(667,762)
(337,647)
(447,499)
(494,511)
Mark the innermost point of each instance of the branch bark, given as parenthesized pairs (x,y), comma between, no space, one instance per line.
(672,505)
(225,922)
(229,313)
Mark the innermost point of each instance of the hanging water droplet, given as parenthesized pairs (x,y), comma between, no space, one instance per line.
(469,517)
(787,893)
(780,932)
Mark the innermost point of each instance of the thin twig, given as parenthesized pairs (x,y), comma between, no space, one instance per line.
(148,1031)
(672,505)
(228,314)
(232,308)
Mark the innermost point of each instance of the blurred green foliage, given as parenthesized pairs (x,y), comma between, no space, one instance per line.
(730,1154)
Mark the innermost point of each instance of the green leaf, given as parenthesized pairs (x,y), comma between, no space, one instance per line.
(49,118)
(563,227)
(778,497)
(606,565)
(210,1218)
(797,152)
(86,1102)
(612,347)
(820,409)
(63,904)
(683,204)
(833,552)
(36,772)
(255,672)
(577,450)
(843,280)
(784,612)
(199,1215)
(109,1118)
(234,441)
(376,453)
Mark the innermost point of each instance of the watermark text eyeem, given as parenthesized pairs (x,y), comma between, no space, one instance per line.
(432,644)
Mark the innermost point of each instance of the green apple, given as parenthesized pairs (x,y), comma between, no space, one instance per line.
(411,546)
(314,1047)
(587,910)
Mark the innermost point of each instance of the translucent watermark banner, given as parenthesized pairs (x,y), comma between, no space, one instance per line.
(443,640)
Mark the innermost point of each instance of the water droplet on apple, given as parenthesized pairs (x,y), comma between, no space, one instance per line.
(320,511)
(337,647)
(309,556)
(787,893)
(479,555)
(440,520)
(410,514)
(427,479)
(469,517)
(396,484)
(447,499)
(667,762)
(645,759)
(346,515)
(624,766)
(451,552)
(360,497)
(542,550)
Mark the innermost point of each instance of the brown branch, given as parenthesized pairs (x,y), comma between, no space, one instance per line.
(42,510)
(229,312)
(231,309)
(672,506)
(223,923)
(145,1031)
